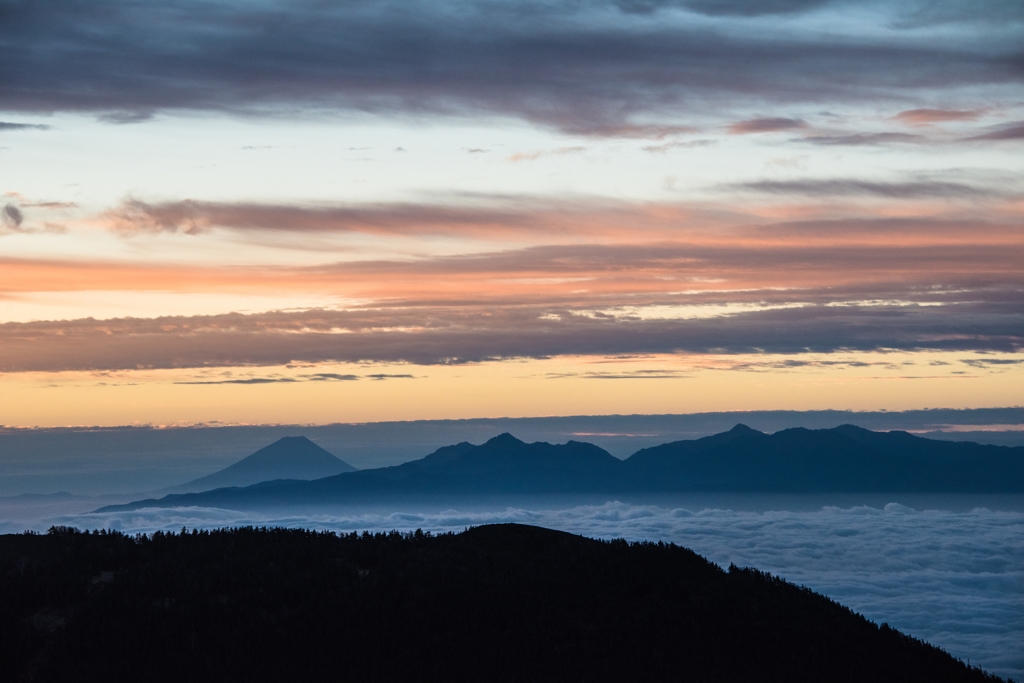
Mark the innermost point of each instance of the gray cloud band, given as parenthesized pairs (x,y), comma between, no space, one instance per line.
(192,217)
(583,67)
(446,337)
(7,125)
(522,214)
(837,187)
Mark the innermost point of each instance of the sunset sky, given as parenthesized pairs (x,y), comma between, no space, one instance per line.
(314,211)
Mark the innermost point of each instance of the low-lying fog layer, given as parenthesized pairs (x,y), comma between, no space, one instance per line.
(952,577)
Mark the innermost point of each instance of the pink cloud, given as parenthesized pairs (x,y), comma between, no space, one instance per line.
(925,117)
(765,125)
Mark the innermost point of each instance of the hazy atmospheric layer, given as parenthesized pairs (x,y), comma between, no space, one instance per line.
(322,212)
(953,578)
(130,460)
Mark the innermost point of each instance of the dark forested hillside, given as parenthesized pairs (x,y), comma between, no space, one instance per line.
(498,603)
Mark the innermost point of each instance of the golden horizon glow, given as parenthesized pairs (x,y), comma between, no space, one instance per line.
(523,388)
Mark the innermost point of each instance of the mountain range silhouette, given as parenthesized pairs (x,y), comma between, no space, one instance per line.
(842,459)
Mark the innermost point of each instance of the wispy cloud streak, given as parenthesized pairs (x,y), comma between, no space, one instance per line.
(9,125)
(1014,131)
(765,125)
(490,217)
(892,190)
(925,117)
(193,217)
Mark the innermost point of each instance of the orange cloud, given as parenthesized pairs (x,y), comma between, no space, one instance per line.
(617,250)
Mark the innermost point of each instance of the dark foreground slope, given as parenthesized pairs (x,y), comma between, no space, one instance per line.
(498,603)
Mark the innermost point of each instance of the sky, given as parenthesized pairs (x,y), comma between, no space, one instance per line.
(317,211)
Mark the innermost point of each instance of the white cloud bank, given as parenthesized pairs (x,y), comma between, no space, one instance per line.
(955,579)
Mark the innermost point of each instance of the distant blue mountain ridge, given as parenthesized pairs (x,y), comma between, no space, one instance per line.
(842,459)
(291,457)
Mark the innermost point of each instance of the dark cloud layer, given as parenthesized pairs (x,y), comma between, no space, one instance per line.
(282,379)
(848,187)
(590,67)
(743,8)
(446,336)
(962,11)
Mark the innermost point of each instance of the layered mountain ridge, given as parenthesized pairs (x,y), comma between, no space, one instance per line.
(842,459)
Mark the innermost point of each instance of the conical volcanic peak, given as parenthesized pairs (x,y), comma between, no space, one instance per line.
(291,457)
(741,428)
(290,450)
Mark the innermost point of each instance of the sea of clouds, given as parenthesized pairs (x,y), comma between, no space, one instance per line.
(953,578)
